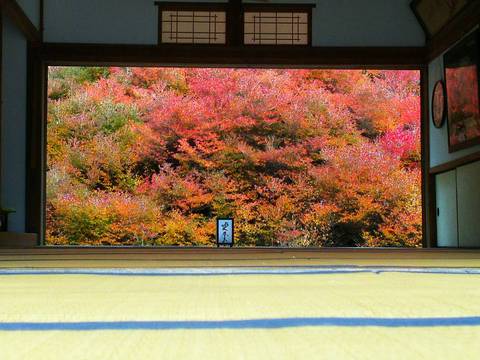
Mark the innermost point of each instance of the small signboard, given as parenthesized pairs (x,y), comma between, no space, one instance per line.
(225,227)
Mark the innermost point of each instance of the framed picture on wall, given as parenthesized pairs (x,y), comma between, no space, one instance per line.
(439,102)
(463,98)
(433,15)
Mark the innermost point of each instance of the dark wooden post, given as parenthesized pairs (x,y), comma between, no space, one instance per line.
(234,23)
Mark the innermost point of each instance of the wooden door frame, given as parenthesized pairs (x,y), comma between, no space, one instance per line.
(40,57)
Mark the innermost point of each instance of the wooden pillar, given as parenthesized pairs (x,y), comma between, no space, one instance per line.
(234,23)
(428,183)
(36,112)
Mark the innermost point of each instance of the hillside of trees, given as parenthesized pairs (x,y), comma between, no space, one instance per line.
(152,156)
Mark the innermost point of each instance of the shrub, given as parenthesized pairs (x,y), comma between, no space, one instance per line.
(151,156)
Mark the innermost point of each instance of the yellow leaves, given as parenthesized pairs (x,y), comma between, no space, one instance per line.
(184,230)
(299,157)
(319,211)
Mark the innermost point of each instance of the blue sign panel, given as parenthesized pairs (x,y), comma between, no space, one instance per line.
(225,229)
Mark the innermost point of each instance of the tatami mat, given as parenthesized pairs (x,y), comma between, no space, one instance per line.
(268,313)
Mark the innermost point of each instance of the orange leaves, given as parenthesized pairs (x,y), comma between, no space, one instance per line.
(278,159)
(173,191)
(102,219)
(298,157)
(199,150)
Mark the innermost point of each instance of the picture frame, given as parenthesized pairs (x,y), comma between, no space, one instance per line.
(439,104)
(462,84)
(225,232)
(433,15)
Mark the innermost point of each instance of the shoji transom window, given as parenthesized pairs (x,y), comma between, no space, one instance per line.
(276,27)
(234,24)
(190,23)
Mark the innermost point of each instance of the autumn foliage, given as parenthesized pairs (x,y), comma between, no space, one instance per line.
(463,103)
(152,156)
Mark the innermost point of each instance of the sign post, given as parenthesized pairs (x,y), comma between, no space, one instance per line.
(225,232)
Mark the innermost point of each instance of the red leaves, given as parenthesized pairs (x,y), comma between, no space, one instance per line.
(298,157)
(403,144)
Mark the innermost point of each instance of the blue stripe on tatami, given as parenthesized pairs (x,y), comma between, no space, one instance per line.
(241,271)
(277,323)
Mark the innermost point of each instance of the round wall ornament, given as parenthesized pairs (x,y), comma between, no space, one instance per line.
(438,104)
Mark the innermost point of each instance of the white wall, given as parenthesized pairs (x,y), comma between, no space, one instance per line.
(458,204)
(13,134)
(105,21)
(32,10)
(439,137)
(335,22)
(366,23)
(446,203)
(467,179)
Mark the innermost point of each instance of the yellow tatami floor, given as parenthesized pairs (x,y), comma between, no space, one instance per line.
(266,313)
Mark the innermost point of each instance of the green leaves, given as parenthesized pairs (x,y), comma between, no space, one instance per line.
(151,156)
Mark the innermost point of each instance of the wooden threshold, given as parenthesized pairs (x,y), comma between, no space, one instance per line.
(44,257)
(18,240)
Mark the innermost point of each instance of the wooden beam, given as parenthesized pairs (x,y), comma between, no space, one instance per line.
(455,163)
(464,22)
(251,56)
(18,16)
